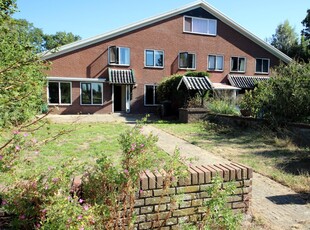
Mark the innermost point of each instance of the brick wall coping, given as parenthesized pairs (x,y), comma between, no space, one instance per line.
(196,175)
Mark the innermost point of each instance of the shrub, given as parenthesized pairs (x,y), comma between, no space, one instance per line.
(223,106)
(283,98)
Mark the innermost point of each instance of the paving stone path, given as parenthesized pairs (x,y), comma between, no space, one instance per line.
(277,205)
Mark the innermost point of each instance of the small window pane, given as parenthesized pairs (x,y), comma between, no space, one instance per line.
(156,100)
(97,93)
(65,90)
(149,58)
(191,61)
(265,66)
(259,65)
(212,27)
(188,24)
(86,93)
(159,58)
(53,92)
(211,64)
(113,54)
(124,54)
(219,63)
(183,60)
(234,64)
(241,64)
(148,94)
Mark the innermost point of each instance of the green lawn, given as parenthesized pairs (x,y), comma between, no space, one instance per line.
(277,158)
(83,144)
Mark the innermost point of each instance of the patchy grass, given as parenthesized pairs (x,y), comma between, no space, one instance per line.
(83,145)
(277,158)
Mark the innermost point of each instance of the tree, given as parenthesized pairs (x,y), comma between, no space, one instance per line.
(43,42)
(22,77)
(285,39)
(306,23)
(53,41)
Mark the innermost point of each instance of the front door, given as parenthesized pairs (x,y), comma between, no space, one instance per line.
(122,96)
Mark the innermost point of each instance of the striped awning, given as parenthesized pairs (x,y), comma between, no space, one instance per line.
(245,82)
(196,83)
(121,76)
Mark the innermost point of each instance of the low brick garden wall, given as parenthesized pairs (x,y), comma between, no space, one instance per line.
(154,206)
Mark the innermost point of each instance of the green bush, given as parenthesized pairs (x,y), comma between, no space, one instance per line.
(284,98)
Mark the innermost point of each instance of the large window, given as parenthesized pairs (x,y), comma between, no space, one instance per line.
(215,63)
(91,93)
(200,25)
(150,96)
(187,60)
(59,93)
(119,55)
(237,64)
(262,65)
(154,58)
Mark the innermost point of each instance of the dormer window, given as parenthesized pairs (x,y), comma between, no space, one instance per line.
(187,60)
(119,55)
(200,25)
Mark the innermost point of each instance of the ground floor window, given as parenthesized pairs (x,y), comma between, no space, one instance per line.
(59,93)
(91,93)
(150,95)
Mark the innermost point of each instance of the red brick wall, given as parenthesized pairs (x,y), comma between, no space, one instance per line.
(92,61)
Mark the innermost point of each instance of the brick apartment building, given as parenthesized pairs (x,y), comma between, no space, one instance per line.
(119,71)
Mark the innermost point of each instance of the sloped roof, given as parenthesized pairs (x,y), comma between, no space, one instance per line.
(221,86)
(121,76)
(99,38)
(196,83)
(245,82)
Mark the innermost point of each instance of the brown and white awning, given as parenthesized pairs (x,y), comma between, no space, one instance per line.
(245,82)
(121,76)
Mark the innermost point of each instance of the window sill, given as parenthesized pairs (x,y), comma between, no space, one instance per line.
(111,64)
(187,68)
(58,104)
(217,71)
(91,104)
(262,73)
(154,67)
(237,71)
(211,35)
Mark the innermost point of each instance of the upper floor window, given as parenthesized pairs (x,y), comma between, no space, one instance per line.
(200,25)
(237,64)
(215,63)
(154,58)
(91,93)
(187,60)
(119,55)
(262,65)
(59,93)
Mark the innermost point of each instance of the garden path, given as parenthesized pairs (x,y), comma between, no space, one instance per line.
(277,205)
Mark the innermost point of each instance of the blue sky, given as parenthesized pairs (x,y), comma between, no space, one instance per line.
(89,18)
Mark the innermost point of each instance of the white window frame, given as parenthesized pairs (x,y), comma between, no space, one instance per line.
(154,95)
(59,93)
(216,66)
(154,66)
(119,55)
(263,59)
(91,96)
(238,71)
(208,20)
(187,68)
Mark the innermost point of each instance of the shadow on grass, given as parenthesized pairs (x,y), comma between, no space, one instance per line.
(296,162)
